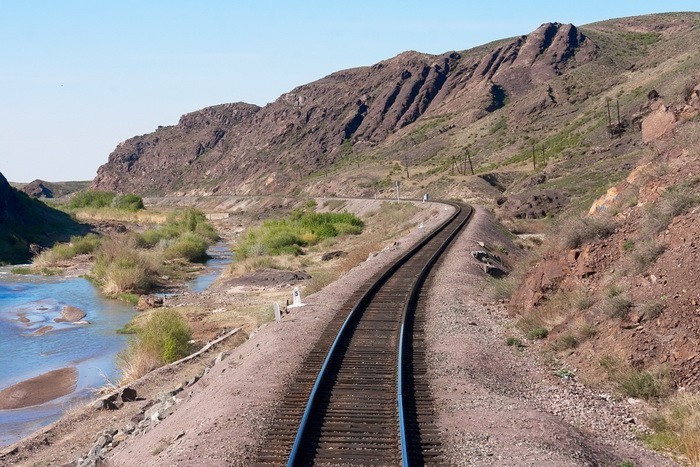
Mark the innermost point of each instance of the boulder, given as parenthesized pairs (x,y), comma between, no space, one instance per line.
(128,394)
(149,301)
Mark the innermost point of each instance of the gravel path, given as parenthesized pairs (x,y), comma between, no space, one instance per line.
(497,405)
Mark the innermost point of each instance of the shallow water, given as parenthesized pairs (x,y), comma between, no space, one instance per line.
(90,347)
(221,256)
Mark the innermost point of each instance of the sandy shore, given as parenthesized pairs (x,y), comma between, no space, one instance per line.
(43,388)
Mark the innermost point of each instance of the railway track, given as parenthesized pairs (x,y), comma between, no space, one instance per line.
(362,397)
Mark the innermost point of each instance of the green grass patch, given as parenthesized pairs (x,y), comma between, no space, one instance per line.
(105,199)
(22,270)
(129,298)
(291,234)
(539,332)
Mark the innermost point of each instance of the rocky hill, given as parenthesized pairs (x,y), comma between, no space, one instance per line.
(356,131)
(27,225)
(43,189)
(245,149)
(618,289)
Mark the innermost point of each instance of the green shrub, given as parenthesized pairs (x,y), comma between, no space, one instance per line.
(632,382)
(300,229)
(86,244)
(190,246)
(514,342)
(91,199)
(677,426)
(645,255)
(565,342)
(166,335)
(616,307)
(539,332)
(653,309)
(347,229)
(130,202)
(21,270)
(150,238)
(120,266)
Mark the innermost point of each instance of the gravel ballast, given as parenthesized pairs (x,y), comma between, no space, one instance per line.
(498,404)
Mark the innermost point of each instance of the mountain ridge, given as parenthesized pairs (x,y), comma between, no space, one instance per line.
(232,147)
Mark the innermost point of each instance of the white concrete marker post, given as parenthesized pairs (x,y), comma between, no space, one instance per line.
(278,313)
(296,298)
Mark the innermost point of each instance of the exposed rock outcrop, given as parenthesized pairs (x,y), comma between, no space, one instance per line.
(244,149)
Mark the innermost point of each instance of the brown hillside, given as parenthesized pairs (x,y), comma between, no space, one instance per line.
(246,149)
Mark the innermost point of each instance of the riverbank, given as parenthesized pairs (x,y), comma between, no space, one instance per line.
(40,389)
(230,303)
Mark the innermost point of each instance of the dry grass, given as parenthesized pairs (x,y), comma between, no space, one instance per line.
(113,214)
(256,263)
(677,427)
(134,364)
(575,232)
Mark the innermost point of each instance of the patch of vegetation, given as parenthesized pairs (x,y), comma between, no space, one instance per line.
(65,251)
(129,202)
(500,125)
(502,288)
(578,231)
(642,38)
(674,202)
(539,332)
(130,298)
(632,382)
(105,199)
(645,255)
(163,338)
(615,307)
(22,270)
(677,427)
(121,266)
(128,264)
(300,229)
(653,309)
(514,342)
(565,342)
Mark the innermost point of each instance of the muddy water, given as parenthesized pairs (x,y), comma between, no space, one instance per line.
(29,303)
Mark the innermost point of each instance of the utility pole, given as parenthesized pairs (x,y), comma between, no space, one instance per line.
(544,157)
(619,124)
(405,163)
(469,158)
(607,102)
(534,162)
(398,196)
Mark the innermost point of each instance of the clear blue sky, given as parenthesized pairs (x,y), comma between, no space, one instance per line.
(78,77)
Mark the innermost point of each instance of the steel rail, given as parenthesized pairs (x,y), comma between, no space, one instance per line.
(362,302)
(404,340)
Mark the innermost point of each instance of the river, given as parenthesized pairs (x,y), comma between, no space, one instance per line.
(91,348)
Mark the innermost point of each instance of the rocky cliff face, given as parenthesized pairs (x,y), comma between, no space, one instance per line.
(241,148)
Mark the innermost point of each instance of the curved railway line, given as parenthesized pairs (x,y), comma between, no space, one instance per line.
(361,396)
